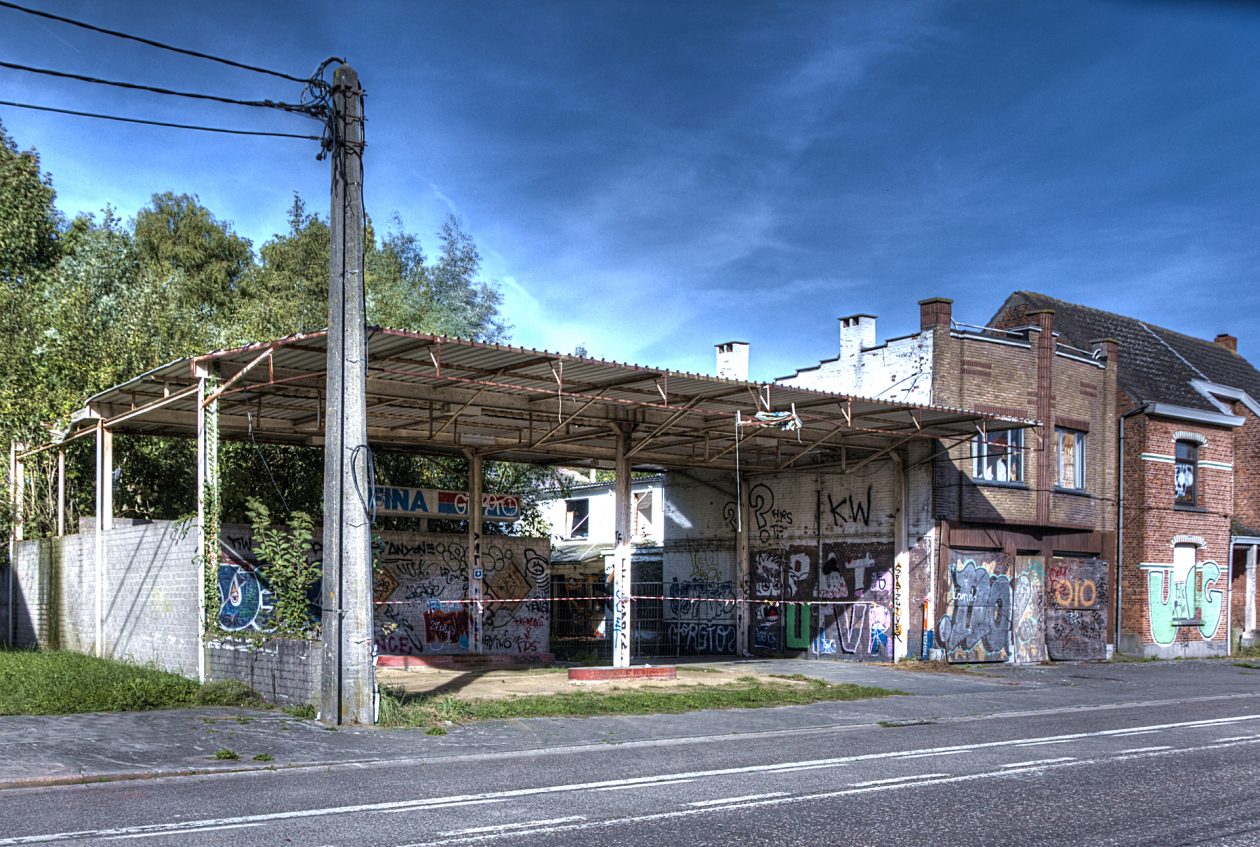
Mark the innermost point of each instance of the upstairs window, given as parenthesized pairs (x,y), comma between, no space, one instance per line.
(642,515)
(999,456)
(1071,458)
(577,515)
(1186,473)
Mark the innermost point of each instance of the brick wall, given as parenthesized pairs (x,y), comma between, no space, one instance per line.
(284,671)
(1247,468)
(1159,602)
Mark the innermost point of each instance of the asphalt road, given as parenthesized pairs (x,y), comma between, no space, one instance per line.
(1182,770)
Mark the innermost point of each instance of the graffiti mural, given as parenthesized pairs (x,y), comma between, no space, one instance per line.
(1180,599)
(245,600)
(1028,637)
(421,588)
(976,626)
(1076,609)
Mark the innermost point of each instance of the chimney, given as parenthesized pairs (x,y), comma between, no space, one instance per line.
(732,360)
(856,332)
(1227,341)
(935,312)
(1044,321)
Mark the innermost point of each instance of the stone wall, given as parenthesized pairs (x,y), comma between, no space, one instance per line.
(284,671)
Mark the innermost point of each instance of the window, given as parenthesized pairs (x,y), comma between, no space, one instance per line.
(577,515)
(642,515)
(1071,458)
(999,456)
(1186,473)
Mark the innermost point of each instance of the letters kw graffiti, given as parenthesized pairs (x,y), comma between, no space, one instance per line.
(976,626)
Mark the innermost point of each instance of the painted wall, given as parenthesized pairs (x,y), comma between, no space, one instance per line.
(602,519)
(900,369)
(150,599)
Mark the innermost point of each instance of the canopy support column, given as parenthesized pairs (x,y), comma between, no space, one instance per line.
(622,585)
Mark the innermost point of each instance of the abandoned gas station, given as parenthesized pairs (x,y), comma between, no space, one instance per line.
(801,521)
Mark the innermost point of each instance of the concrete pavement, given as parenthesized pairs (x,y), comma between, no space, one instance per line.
(117,746)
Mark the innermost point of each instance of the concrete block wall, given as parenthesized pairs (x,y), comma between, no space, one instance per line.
(284,671)
(1154,526)
(150,597)
(898,370)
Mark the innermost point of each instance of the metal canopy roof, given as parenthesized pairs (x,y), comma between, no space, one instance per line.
(445,395)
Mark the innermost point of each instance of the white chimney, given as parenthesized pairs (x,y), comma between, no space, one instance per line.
(732,360)
(857,332)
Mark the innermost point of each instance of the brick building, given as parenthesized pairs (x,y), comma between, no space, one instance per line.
(1024,519)
(1186,459)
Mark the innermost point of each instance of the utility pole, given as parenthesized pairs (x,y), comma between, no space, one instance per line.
(347,688)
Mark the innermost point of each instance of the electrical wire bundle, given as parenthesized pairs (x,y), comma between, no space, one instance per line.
(314,101)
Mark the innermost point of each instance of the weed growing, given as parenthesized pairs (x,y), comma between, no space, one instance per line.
(402,710)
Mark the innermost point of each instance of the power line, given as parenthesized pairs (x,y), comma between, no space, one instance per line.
(8,5)
(267,104)
(158,123)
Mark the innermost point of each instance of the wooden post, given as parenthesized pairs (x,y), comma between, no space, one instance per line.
(622,582)
(475,573)
(348,688)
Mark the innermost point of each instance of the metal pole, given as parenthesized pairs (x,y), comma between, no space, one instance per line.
(347,688)
(104,521)
(15,533)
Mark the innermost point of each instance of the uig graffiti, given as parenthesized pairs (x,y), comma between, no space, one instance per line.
(1174,600)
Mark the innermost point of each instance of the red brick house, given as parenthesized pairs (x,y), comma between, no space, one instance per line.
(1187,437)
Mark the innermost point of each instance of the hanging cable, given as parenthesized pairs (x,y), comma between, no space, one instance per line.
(298,108)
(249,418)
(150,42)
(122,119)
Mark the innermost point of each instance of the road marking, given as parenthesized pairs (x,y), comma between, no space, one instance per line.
(438,802)
(940,753)
(746,798)
(1137,732)
(449,805)
(645,785)
(502,827)
(1238,738)
(1043,743)
(896,779)
(1146,749)
(806,798)
(1040,762)
(202,829)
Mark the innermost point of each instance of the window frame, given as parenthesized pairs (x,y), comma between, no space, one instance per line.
(576,527)
(1190,496)
(990,448)
(1080,467)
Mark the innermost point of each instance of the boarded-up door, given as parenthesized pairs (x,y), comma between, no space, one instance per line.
(1028,640)
(1076,604)
(976,626)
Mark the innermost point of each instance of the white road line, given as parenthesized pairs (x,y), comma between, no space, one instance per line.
(503,827)
(450,805)
(1238,738)
(809,798)
(726,801)
(940,753)
(1036,762)
(426,803)
(1146,749)
(645,785)
(896,779)
(1043,743)
(1137,732)
(181,832)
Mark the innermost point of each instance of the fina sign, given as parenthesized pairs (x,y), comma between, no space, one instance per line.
(394,501)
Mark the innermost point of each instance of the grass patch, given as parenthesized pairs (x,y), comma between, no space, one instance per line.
(1125,658)
(304,711)
(34,682)
(403,710)
(264,757)
(1255,666)
(932,666)
(60,683)
(225,754)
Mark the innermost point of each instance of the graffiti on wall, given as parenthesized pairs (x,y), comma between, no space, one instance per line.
(1028,636)
(1179,599)
(976,626)
(245,600)
(1076,609)
(857,576)
(770,522)
(850,509)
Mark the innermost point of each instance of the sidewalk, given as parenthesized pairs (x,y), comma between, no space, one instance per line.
(72,749)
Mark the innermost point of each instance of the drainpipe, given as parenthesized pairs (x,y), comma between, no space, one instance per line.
(1120,529)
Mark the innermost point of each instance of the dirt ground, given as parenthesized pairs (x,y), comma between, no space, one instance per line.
(501,683)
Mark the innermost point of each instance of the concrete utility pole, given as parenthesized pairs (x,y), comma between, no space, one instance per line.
(348,676)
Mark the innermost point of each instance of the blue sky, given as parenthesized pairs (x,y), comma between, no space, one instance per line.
(649,178)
